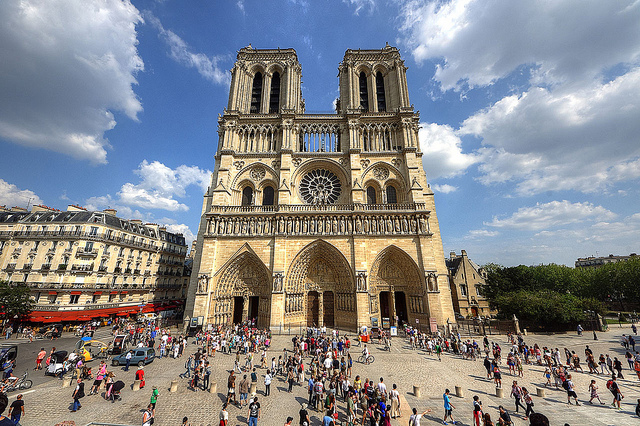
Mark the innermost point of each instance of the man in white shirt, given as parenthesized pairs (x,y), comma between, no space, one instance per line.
(382,388)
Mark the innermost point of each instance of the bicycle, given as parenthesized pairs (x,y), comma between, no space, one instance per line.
(21,383)
(369,360)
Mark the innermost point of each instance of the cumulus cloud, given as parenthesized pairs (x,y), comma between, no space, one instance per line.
(178,228)
(477,42)
(442,151)
(552,214)
(583,139)
(482,233)
(179,51)
(444,188)
(66,66)
(158,186)
(11,195)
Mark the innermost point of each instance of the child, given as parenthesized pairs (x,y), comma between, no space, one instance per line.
(593,389)
(547,374)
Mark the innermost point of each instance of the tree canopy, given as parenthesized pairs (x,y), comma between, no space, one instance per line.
(15,300)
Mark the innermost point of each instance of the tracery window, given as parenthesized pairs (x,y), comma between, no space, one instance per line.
(392,197)
(364,92)
(268,196)
(256,94)
(274,98)
(382,103)
(371,195)
(247,196)
(320,187)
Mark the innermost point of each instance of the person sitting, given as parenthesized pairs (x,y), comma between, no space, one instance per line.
(504,419)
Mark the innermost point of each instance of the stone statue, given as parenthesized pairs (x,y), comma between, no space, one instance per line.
(432,282)
(277,282)
(203,284)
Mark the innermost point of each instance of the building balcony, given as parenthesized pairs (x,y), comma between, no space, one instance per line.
(127,271)
(82,268)
(45,267)
(315,208)
(82,252)
(62,267)
(117,270)
(10,267)
(27,267)
(136,271)
(102,269)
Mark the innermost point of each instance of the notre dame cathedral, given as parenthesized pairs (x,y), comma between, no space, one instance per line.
(319,219)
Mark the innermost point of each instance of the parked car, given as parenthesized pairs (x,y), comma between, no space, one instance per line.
(141,356)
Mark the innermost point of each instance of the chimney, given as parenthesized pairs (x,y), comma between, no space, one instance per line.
(463,253)
(19,209)
(111,212)
(136,221)
(75,208)
(452,255)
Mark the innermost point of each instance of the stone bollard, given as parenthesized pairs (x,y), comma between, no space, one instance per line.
(525,331)
(66,381)
(174,386)
(213,388)
(252,389)
(136,386)
(416,391)
(540,392)
(499,393)
(459,392)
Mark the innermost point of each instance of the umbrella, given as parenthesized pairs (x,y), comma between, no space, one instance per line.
(86,338)
(118,386)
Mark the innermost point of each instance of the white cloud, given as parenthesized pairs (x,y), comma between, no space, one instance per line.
(66,65)
(178,228)
(479,42)
(442,151)
(158,186)
(583,139)
(180,51)
(552,214)
(361,4)
(11,195)
(444,188)
(482,233)
(240,5)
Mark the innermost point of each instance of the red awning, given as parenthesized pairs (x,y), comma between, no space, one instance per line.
(122,314)
(124,292)
(53,292)
(97,293)
(80,315)
(73,293)
(113,292)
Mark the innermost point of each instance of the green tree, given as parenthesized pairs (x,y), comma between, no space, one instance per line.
(14,300)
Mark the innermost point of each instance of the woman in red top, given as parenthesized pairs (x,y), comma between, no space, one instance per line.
(140,376)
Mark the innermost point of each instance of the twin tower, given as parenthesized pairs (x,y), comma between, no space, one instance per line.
(319,219)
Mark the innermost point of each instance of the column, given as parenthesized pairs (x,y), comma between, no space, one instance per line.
(266,92)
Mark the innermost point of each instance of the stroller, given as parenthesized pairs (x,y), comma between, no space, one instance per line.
(56,363)
(116,388)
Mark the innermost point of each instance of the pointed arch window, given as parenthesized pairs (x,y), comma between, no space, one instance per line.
(256,94)
(268,196)
(371,195)
(382,103)
(247,196)
(392,197)
(274,97)
(364,92)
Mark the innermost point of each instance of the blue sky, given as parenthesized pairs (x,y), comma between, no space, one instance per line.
(530,110)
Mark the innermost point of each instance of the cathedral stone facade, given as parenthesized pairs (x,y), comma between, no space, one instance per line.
(322,219)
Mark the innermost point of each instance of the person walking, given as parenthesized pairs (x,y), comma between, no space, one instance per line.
(254,412)
(516,392)
(593,391)
(128,358)
(205,377)
(16,410)
(477,410)
(448,408)
(267,383)
(571,393)
(147,416)
(39,359)
(528,401)
(154,398)
(78,394)
(615,390)
(224,415)
(415,418)
(394,396)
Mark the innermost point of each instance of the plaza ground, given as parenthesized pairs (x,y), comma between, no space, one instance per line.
(48,403)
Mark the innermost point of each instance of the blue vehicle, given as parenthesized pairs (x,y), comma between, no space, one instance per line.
(140,356)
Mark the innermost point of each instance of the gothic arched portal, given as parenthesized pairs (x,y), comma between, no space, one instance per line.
(396,286)
(320,288)
(243,291)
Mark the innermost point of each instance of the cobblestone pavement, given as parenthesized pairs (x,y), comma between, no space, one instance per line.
(48,404)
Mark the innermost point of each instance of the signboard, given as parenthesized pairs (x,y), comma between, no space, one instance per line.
(433,325)
(393,331)
(201,320)
(385,323)
(417,321)
(374,321)
(194,322)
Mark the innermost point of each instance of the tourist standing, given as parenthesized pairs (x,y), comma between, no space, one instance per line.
(254,412)
(78,394)
(448,408)
(224,415)
(16,410)
(147,416)
(267,383)
(477,410)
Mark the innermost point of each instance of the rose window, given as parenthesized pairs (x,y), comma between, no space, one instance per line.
(320,187)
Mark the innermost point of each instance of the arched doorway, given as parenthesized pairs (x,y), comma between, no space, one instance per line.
(395,280)
(242,292)
(320,288)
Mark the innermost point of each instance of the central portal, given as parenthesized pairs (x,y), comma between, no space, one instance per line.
(327,308)
(313,308)
(238,307)
(253,308)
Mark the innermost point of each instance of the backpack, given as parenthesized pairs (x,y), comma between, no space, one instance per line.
(609,383)
(565,385)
